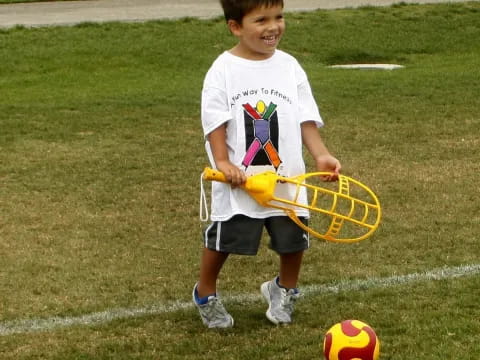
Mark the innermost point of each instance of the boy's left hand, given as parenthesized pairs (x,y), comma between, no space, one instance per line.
(328,163)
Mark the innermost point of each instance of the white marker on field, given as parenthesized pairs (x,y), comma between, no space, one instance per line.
(24,326)
(368,66)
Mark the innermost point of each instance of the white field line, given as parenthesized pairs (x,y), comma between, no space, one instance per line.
(24,326)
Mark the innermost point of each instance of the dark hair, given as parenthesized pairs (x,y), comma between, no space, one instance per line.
(237,9)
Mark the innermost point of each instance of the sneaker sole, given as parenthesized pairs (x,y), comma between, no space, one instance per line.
(223,327)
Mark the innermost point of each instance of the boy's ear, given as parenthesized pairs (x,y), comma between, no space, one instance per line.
(234,27)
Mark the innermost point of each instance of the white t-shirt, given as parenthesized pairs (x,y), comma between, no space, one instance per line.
(263,104)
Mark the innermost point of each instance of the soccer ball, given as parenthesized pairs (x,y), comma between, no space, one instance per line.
(351,340)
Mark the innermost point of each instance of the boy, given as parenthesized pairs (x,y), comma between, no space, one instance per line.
(257,110)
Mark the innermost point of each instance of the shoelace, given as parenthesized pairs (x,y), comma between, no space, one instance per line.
(288,299)
(215,310)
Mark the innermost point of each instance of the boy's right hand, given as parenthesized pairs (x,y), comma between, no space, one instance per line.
(233,174)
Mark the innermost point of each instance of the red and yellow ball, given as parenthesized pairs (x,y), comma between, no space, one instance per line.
(351,340)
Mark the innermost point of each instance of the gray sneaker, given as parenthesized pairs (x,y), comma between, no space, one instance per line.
(213,313)
(280,302)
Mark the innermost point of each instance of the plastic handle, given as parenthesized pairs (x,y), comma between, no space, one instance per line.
(215,175)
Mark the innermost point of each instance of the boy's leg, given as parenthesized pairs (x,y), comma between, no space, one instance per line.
(290,242)
(204,295)
(281,292)
(210,266)
(290,265)
(238,235)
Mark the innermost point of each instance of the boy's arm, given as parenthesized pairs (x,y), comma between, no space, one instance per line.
(324,161)
(218,145)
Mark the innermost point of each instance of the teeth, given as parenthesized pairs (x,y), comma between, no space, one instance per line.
(269,39)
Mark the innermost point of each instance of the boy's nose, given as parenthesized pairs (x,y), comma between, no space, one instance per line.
(272,27)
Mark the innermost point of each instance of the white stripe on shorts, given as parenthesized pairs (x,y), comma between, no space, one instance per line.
(219,230)
(307,235)
(205,236)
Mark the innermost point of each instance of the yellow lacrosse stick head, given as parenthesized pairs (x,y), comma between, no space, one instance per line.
(349,210)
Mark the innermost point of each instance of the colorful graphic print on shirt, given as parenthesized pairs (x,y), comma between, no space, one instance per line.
(261,135)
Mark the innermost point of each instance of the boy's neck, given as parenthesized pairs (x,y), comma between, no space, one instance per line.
(238,52)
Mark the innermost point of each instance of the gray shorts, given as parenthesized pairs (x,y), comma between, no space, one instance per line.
(242,234)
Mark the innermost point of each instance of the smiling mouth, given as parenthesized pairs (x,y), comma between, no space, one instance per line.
(270,40)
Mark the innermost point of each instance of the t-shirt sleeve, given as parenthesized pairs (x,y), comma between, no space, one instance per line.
(307,104)
(215,109)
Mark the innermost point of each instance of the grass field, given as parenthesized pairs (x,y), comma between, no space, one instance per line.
(101,151)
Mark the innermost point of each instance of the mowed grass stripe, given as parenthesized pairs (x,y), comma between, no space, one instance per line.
(23,326)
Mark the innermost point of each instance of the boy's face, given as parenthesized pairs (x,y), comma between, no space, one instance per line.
(259,33)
